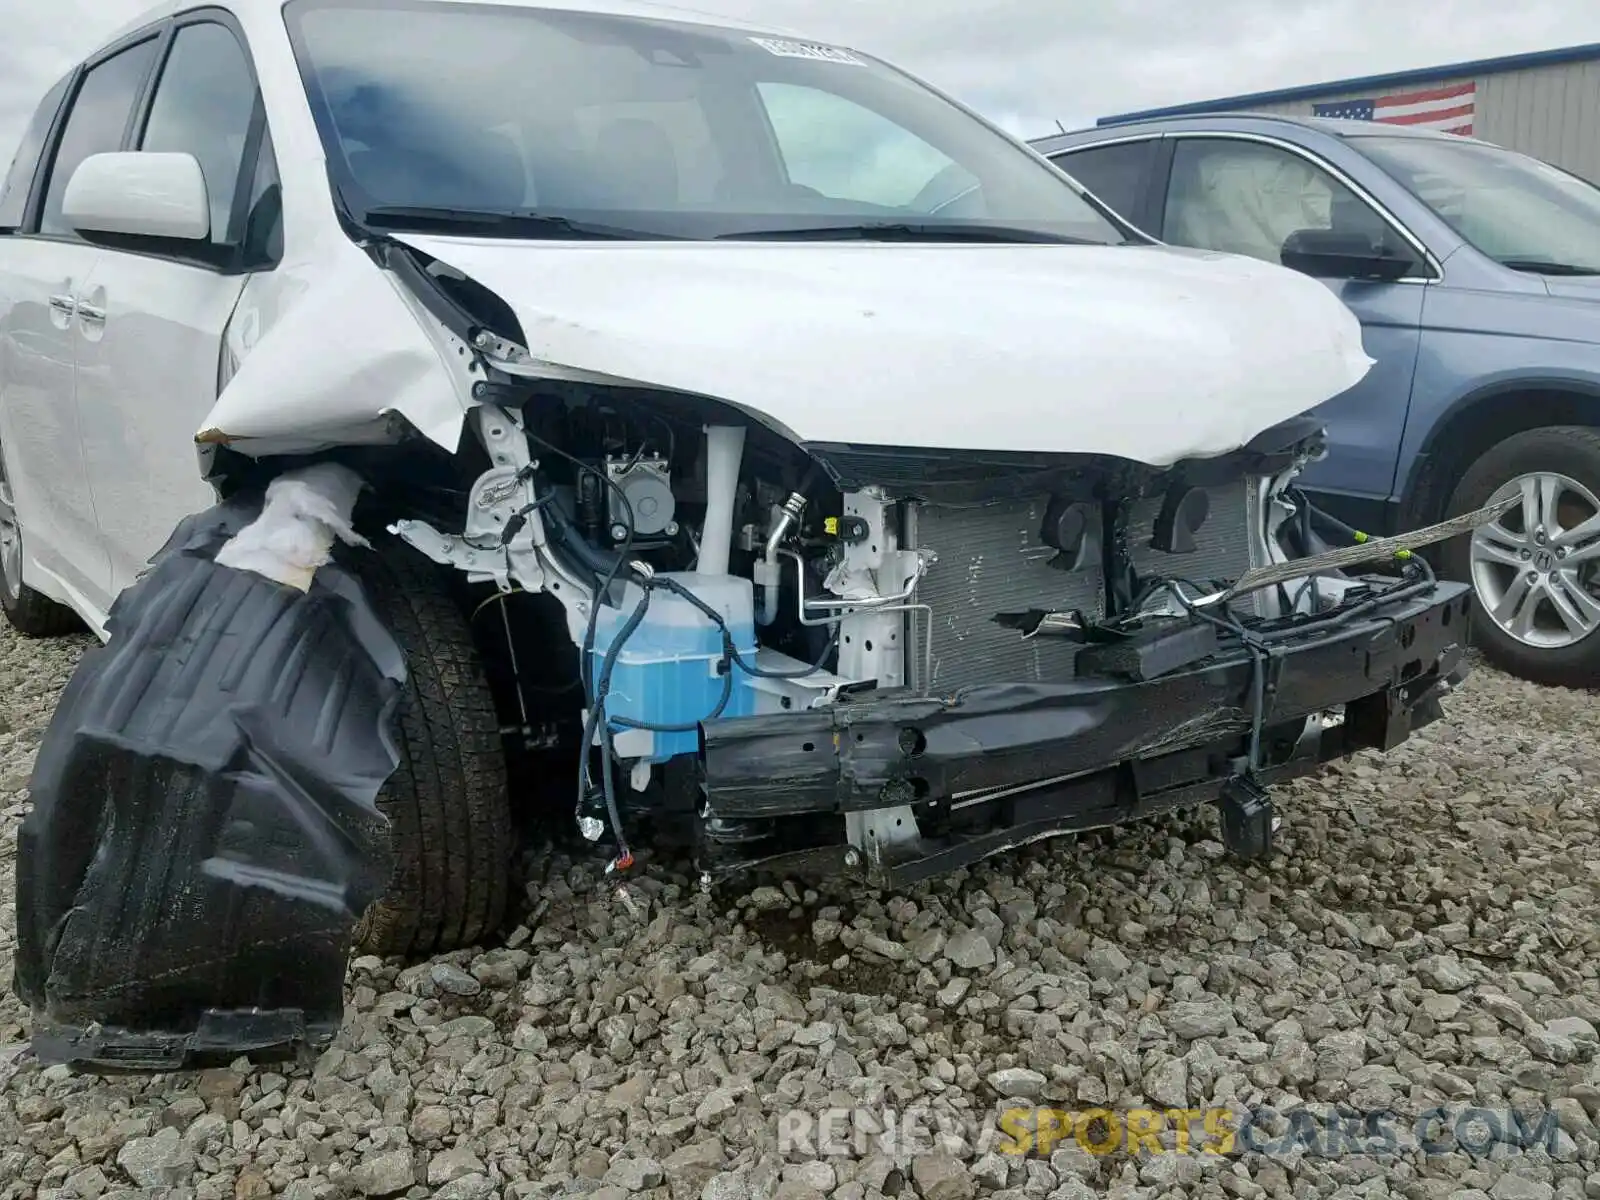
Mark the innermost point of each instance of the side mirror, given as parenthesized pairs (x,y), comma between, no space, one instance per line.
(1336,254)
(139,195)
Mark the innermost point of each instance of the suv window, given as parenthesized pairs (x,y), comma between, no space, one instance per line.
(653,127)
(1114,173)
(1247,198)
(820,137)
(263,223)
(663,151)
(97,122)
(204,104)
(19,179)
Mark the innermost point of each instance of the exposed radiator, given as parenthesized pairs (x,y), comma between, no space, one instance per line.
(992,561)
(1222,544)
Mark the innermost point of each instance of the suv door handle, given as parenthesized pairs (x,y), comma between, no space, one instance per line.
(62,309)
(91,314)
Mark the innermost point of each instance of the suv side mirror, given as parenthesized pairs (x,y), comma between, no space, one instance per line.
(138,194)
(1336,254)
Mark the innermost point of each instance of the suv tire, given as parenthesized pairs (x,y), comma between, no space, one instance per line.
(1562,462)
(447,802)
(30,613)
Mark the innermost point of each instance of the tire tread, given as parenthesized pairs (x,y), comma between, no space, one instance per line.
(447,801)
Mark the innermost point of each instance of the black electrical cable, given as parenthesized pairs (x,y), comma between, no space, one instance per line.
(672,435)
(1261,652)
(592,724)
(1260,655)
(608,783)
(687,726)
(732,651)
(803,672)
(596,690)
(730,658)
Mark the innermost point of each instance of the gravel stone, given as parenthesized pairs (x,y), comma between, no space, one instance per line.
(818,1176)
(1018,1082)
(1551,1047)
(1426,932)
(635,1174)
(969,950)
(1195,1019)
(385,1174)
(159,1161)
(453,981)
(1105,961)
(452,1165)
(1445,972)
(1576,1028)
(1168,1083)
(1516,1187)
(468,1187)
(942,1177)
(431,1123)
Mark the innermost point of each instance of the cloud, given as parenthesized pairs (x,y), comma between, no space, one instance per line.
(1024,63)
(43,39)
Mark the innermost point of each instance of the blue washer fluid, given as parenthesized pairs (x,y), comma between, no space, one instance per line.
(666,672)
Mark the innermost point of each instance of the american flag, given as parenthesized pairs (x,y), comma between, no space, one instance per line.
(1448,108)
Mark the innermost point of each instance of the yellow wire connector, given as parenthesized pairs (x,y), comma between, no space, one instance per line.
(830,526)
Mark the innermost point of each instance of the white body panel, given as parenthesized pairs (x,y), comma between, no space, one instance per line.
(39,426)
(147,374)
(1149,354)
(152,195)
(326,350)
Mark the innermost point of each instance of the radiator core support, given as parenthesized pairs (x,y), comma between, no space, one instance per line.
(993,559)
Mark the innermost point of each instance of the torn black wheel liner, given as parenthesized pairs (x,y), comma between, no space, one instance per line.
(205,833)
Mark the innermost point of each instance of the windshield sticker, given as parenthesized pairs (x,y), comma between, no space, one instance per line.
(811,50)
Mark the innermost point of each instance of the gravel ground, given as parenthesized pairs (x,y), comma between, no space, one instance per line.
(1426,937)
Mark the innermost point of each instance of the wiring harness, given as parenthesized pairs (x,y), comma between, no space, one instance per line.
(1416,577)
(608,571)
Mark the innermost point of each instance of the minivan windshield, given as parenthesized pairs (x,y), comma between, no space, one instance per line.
(510,120)
(1521,212)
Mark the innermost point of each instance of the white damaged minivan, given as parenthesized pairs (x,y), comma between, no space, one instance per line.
(459,417)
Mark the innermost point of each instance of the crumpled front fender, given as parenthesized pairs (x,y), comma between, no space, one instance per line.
(205,833)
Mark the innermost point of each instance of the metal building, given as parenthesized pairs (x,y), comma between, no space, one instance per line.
(1546,104)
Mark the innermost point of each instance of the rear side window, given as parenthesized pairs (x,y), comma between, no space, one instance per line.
(1116,173)
(19,179)
(96,123)
(204,105)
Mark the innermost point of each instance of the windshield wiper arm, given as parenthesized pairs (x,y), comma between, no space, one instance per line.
(1547,268)
(907,231)
(500,223)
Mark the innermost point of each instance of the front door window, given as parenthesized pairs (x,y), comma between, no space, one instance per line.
(1247,198)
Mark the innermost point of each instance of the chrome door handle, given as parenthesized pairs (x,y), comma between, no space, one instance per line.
(66,305)
(92,314)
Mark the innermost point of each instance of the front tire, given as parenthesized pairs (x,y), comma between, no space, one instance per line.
(1535,573)
(447,803)
(30,613)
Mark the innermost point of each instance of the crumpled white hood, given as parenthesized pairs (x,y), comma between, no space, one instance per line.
(1146,353)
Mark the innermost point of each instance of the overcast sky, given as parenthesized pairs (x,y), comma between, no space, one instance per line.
(1026,63)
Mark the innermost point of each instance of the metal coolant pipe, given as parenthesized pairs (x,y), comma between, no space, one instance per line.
(724,449)
(768,570)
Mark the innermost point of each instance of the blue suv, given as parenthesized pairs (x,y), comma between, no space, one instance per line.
(1475,272)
